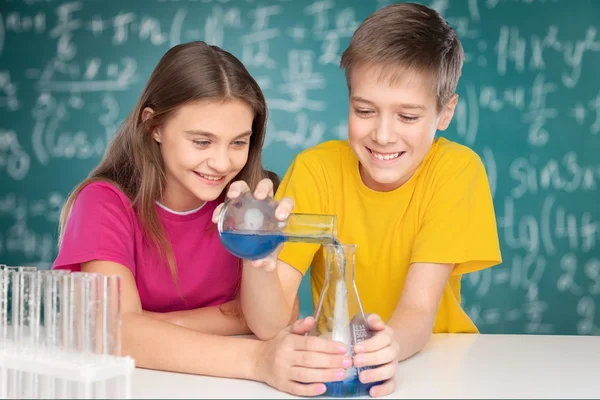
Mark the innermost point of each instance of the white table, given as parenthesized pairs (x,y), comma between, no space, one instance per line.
(450,366)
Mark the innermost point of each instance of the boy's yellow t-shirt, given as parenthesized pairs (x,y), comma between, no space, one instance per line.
(443,214)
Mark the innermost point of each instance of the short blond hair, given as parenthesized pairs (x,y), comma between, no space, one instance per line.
(408,37)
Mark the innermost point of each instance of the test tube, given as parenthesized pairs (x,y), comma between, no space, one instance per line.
(9,308)
(111,305)
(67,309)
(26,306)
(5,286)
(55,298)
(87,294)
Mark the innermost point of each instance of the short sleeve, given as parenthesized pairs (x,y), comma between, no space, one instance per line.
(304,182)
(100,227)
(459,223)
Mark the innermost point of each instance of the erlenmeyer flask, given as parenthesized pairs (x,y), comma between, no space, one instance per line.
(339,316)
(249,229)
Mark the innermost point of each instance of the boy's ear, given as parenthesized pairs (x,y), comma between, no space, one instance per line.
(447,113)
(147,113)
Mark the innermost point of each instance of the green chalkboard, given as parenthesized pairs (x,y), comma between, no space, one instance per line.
(529,105)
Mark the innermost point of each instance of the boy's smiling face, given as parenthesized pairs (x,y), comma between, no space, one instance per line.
(392,124)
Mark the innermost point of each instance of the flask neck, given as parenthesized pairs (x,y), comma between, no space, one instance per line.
(310,228)
(340,262)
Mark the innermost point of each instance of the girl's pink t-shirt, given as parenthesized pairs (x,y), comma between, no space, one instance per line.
(104,226)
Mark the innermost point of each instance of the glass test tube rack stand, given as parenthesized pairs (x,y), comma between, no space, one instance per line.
(60,335)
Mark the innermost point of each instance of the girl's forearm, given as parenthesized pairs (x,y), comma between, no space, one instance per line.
(160,345)
(225,319)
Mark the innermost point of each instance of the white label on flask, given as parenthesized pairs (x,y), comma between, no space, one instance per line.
(359,332)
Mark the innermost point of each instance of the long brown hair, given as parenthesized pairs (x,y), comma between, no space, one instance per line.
(133,162)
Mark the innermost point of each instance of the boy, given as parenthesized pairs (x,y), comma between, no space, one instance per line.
(418,208)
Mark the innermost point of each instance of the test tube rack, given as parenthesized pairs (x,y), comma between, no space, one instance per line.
(60,335)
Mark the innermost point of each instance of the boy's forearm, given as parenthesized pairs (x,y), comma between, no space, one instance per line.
(412,328)
(262,294)
(160,345)
(225,319)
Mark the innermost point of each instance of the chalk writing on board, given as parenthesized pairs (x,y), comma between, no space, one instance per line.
(566,281)
(8,92)
(340,130)
(512,47)
(217,22)
(20,237)
(467,116)
(530,101)
(489,161)
(60,76)
(16,22)
(579,113)
(525,82)
(322,29)
(255,45)
(13,158)
(50,140)
(592,272)
(2,33)
(299,78)
(560,175)
(586,309)
(552,225)
(48,208)
(306,134)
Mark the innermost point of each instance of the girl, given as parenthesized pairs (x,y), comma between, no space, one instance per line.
(144,213)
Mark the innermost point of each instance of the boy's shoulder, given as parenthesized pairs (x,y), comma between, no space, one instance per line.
(452,154)
(450,160)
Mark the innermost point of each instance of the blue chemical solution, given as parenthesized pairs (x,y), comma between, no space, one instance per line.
(349,387)
(254,246)
(352,386)
(251,246)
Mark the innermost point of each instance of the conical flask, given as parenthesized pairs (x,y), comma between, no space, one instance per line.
(339,316)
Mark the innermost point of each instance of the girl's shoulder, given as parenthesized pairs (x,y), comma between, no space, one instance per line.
(103,197)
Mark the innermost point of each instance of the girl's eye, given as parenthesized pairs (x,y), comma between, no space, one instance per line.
(240,143)
(201,142)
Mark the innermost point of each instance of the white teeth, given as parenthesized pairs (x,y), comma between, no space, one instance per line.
(210,178)
(385,156)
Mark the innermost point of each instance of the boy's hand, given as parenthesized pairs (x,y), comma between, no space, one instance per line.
(380,351)
(298,364)
(263,190)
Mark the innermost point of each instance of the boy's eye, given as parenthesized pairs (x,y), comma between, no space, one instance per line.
(361,112)
(408,118)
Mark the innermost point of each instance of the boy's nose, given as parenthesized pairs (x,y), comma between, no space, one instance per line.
(384,134)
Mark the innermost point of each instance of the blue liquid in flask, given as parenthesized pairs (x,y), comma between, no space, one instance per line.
(349,387)
(254,246)
(251,246)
